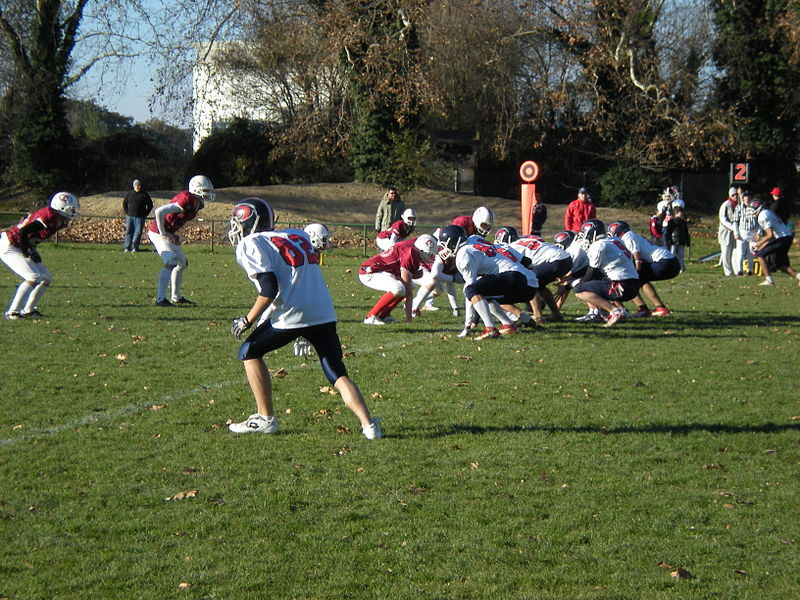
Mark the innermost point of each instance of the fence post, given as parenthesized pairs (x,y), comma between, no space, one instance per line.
(212,236)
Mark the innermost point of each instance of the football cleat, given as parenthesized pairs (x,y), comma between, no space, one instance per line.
(592,316)
(508,329)
(488,333)
(373,430)
(163,302)
(642,311)
(255,424)
(662,311)
(374,320)
(767,282)
(33,314)
(616,316)
(13,315)
(182,300)
(430,307)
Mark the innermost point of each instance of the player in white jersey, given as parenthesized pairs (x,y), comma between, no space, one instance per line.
(490,273)
(775,242)
(549,262)
(653,263)
(611,276)
(566,240)
(284,267)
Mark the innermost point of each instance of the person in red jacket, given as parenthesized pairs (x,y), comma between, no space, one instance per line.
(579,211)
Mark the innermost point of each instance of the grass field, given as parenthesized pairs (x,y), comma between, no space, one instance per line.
(658,459)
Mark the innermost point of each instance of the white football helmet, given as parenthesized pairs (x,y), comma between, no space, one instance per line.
(65,204)
(201,186)
(483,219)
(427,245)
(320,236)
(409,217)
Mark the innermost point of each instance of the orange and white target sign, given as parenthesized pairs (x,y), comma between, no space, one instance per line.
(529,171)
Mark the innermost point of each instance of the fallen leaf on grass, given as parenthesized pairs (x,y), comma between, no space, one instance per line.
(473,465)
(417,490)
(326,389)
(342,451)
(183,495)
(465,357)
(184,584)
(681,573)
(156,407)
(462,384)
(342,429)
(280,373)
(376,395)
(664,565)
(741,572)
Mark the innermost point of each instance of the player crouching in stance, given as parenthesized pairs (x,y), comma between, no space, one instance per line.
(392,272)
(18,251)
(163,234)
(284,267)
(611,276)
(491,275)
(775,242)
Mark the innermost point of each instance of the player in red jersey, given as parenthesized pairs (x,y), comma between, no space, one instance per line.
(163,233)
(391,272)
(18,251)
(398,231)
(480,222)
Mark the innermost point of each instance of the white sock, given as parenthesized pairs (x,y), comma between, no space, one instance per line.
(163,280)
(482,308)
(177,279)
(20,296)
(34,297)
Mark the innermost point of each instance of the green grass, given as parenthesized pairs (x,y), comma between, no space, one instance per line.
(573,462)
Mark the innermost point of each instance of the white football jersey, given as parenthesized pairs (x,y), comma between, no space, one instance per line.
(538,251)
(613,258)
(578,254)
(769,220)
(646,249)
(303,298)
(479,259)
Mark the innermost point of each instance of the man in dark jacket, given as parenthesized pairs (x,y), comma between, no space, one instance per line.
(136,205)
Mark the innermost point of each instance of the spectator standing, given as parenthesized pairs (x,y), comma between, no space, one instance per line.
(538,214)
(677,236)
(389,211)
(725,235)
(781,205)
(579,211)
(136,205)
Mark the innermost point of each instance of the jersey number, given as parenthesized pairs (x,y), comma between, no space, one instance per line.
(291,254)
(494,250)
(622,247)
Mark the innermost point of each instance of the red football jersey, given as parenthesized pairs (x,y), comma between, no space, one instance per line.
(403,255)
(398,228)
(465,221)
(190,204)
(51,220)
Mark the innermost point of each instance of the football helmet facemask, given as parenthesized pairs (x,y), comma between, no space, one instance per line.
(201,186)
(320,236)
(506,235)
(250,216)
(591,230)
(483,219)
(618,229)
(451,238)
(409,217)
(65,204)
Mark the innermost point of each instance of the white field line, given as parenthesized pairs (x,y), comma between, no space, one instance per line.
(110,415)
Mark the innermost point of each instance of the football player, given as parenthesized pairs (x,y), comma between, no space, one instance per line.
(480,222)
(392,272)
(490,273)
(611,276)
(18,250)
(580,262)
(398,231)
(163,233)
(653,263)
(284,267)
(549,262)
(775,242)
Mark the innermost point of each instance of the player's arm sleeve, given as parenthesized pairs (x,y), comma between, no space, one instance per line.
(163,211)
(25,234)
(267,285)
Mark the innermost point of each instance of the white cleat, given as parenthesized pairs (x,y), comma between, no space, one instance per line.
(255,424)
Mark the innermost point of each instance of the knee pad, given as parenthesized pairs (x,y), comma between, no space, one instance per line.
(42,278)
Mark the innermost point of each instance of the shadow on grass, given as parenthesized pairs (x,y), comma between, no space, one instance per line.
(658,428)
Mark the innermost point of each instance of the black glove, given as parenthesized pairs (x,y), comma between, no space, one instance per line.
(239,326)
(34,255)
